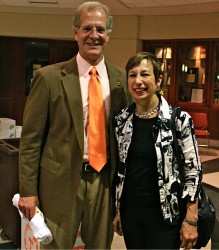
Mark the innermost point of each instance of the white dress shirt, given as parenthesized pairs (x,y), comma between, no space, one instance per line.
(84,78)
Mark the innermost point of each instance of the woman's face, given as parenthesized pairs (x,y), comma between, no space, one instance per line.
(141,81)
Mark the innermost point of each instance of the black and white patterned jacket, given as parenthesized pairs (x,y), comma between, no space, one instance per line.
(169,182)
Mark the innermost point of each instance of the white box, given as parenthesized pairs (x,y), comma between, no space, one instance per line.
(28,241)
(7,123)
(7,133)
(18,130)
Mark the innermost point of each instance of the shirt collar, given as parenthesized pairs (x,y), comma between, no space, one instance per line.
(85,67)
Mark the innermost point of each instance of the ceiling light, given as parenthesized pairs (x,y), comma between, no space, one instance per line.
(44,1)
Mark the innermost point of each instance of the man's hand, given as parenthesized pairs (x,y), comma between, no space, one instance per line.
(27,206)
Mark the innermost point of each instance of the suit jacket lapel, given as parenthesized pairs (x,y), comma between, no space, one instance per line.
(115,82)
(70,80)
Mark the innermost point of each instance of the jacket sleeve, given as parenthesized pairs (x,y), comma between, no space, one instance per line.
(33,132)
(192,167)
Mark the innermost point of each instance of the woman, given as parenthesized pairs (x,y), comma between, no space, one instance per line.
(148,186)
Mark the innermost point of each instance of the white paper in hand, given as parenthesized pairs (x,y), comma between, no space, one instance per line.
(37,224)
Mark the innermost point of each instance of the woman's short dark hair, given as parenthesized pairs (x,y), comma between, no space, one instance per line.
(136,60)
(90,6)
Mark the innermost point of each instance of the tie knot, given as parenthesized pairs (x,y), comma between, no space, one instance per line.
(93,71)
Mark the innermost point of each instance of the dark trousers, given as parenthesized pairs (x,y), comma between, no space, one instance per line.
(144,228)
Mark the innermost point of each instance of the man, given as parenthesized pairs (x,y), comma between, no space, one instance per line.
(55,169)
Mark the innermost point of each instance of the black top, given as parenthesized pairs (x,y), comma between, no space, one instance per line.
(141,181)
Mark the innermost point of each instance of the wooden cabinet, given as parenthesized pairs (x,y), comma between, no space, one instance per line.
(39,53)
(193,77)
(165,51)
(215,76)
(62,50)
(19,58)
(193,69)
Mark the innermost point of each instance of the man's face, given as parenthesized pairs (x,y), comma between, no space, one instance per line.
(92,35)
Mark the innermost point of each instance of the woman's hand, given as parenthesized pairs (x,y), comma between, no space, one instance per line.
(188,235)
(188,231)
(117,224)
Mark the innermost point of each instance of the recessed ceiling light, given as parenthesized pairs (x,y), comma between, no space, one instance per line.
(44,1)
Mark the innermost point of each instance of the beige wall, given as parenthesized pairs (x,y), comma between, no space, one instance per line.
(179,26)
(128,31)
(34,25)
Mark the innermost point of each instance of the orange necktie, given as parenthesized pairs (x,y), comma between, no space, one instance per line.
(96,128)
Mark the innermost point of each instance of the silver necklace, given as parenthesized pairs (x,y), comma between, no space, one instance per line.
(146,115)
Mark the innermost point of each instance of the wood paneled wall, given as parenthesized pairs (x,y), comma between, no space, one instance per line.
(13,75)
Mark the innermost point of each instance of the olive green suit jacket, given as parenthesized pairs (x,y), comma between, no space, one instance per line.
(52,140)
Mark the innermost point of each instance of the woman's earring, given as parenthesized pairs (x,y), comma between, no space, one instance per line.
(158,88)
